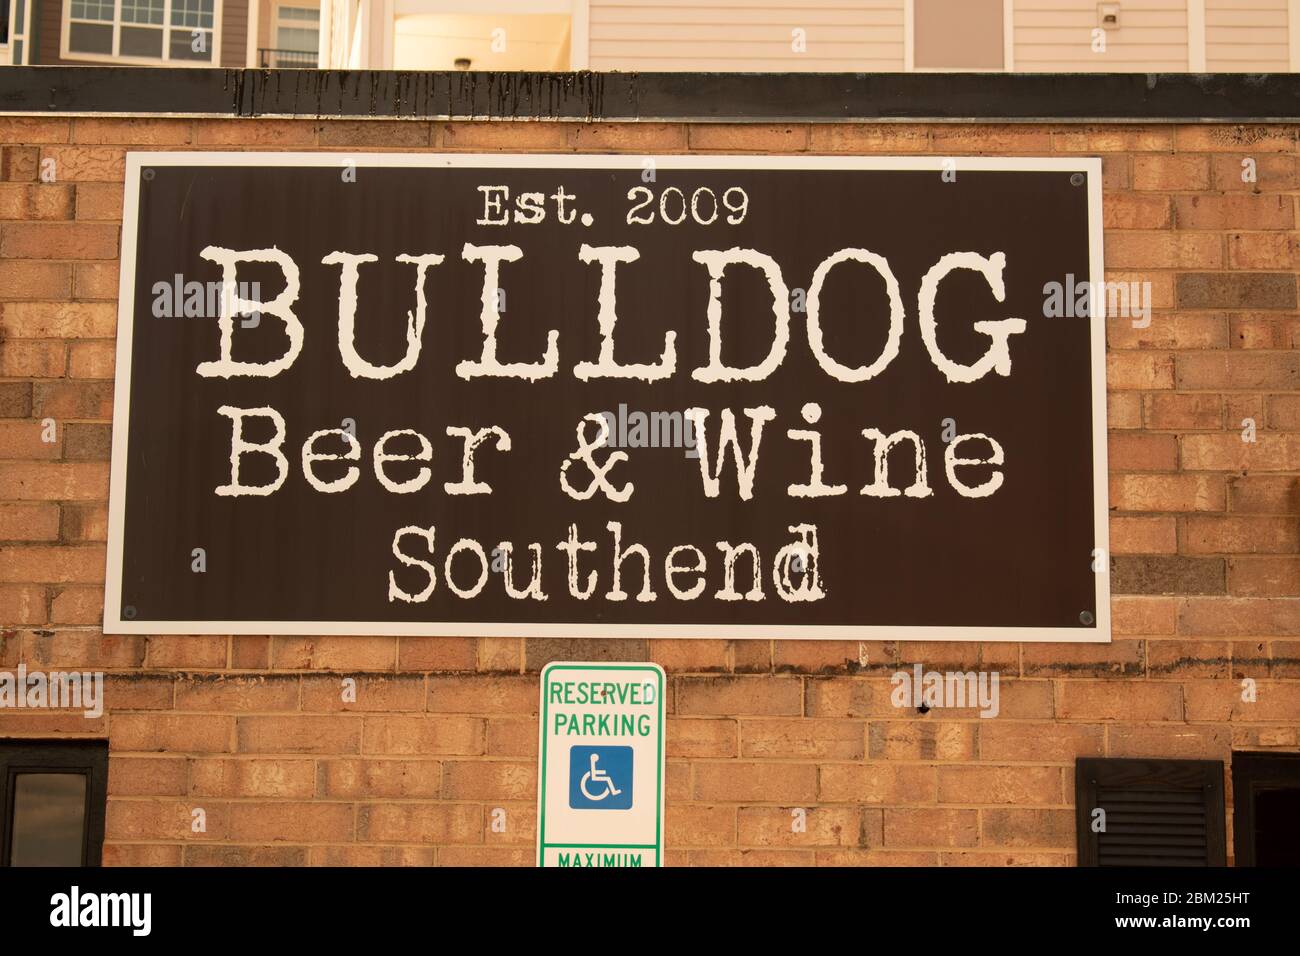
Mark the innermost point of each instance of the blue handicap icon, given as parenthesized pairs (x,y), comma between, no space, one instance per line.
(600,778)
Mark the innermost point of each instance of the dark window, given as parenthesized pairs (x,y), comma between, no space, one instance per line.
(52,799)
(1266,809)
(1150,812)
(4,21)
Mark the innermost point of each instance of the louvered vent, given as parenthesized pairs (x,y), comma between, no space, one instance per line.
(1157,812)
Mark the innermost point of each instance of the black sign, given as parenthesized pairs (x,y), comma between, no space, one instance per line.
(607,395)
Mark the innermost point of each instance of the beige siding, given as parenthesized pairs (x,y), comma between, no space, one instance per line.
(234,33)
(746,35)
(1056,35)
(1246,36)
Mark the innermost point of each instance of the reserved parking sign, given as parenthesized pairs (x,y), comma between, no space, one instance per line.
(601,765)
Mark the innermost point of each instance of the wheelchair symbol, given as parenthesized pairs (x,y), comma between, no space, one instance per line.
(600,778)
(596,775)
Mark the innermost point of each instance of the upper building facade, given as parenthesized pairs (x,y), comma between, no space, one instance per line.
(1257,36)
(199,33)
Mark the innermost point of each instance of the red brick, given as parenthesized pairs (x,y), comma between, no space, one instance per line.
(237,693)
(822,826)
(1247,211)
(1139,370)
(878,783)
(78,605)
(923,740)
(1142,452)
(20,604)
(1171,172)
(437,823)
(1264,330)
(334,653)
(92,360)
(1238,617)
(95,280)
(1034,786)
(35,320)
(285,822)
(739,695)
(335,734)
(437,654)
(1264,576)
(742,781)
(1143,535)
(932,827)
(29,522)
(372,692)
(35,201)
(134,132)
(369,779)
(424,734)
(1270,451)
(86,163)
(147,776)
(101,201)
(1040,743)
(1241,535)
(1182,411)
(1118,700)
(51,565)
(802,737)
(1168,493)
(766,138)
(171,733)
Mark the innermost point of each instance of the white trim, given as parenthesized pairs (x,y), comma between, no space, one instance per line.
(1196,36)
(909,42)
(250,41)
(218,11)
(1293,30)
(15,36)
(580,35)
(1009,36)
(137,161)
(274,23)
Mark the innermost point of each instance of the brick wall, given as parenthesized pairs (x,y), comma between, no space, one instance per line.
(1204,531)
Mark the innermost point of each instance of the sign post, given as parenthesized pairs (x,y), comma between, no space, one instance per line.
(600,776)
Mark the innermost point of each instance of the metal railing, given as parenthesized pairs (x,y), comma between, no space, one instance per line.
(272,59)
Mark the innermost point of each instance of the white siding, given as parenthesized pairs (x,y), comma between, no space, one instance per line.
(746,35)
(1056,35)
(1246,36)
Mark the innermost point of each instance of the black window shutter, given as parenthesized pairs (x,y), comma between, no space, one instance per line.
(1157,812)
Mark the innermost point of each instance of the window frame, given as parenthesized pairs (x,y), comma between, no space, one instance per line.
(1252,771)
(25,37)
(1008,44)
(578,12)
(89,757)
(65,38)
(276,23)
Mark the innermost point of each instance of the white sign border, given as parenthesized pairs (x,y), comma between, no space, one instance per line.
(661,769)
(137,162)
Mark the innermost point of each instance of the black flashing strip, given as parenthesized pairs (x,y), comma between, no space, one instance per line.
(690,97)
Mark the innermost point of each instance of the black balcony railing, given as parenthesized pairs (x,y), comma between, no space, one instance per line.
(286,59)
